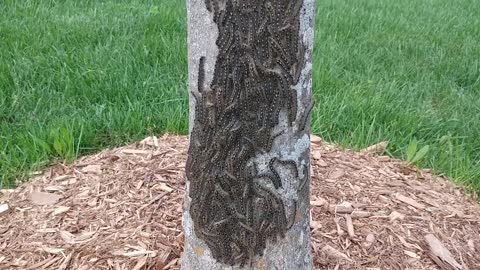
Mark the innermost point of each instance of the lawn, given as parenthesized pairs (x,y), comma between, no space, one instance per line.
(79,76)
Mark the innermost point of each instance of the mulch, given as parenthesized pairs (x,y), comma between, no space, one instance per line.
(122,208)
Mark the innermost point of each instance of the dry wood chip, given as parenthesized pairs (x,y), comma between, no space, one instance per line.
(4,209)
(76,239)
(440,254)
(317,155)
(151,141)
(165,187)
(360,214)
(318,202)
(44,198)
(47,230)
(162,259)
(321,163)
(378,148)
(6,191)
(66,262)
(4,229)
(384,158)
(171,263)
(336,174)
(411,254)
(315,225)
(141,262)
(139,185)
(136,152)
(136,253)
(63,177)
(37,265)
(343,208)
(51,262)
(369,241)
(315,139)
(350,229)
(396,215)
(471,245)
(153,200)
(334,253)
(68,182)
(54,188)
(406,244)
(93,169)
(52,249)
(409,201)
(340,231)
(60,210)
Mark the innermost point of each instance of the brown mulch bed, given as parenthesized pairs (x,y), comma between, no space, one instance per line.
(121,209)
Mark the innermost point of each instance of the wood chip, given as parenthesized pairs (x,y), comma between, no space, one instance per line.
(68,182)
(471,245)
(44,198)
(360,214)
(315,139)
(52,250)
(350,229)
(396,215)
(141,262)
(318,202)
(315,225)
(409,201)
(37,265)
(343,208)
(165,187)
(135,152)
(369,241)
(378,148)
(340,231)
(440,254)
(171,263)
(336,174)
(66,262)
(411,254)
(322,163)
(60,210)
(54,188)
(4,209)
(63,178)
(76,239)
(136,253)
(4,229)
(162,258)
(93,169)
(334,253)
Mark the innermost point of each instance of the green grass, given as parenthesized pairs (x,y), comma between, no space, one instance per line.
(78,76)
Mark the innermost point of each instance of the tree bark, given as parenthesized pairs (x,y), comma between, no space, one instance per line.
(248,169)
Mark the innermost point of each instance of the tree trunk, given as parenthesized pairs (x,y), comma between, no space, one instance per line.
(248,169)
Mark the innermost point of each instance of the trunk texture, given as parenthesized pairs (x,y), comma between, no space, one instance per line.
(248,170)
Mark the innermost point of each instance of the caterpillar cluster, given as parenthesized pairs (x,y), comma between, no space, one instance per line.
(260,58)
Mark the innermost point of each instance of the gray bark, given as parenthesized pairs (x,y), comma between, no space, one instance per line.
(280,170)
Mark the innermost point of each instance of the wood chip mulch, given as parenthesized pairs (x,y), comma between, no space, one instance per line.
(121,209)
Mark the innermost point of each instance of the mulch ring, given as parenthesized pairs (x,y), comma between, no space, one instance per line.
(121,209)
